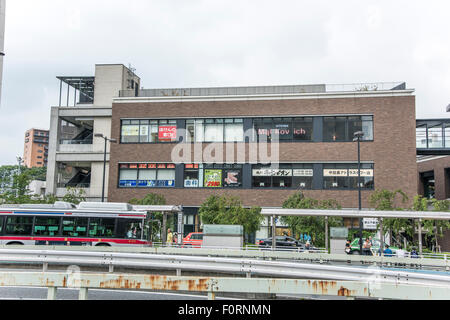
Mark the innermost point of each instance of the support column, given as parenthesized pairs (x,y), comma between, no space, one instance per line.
(274,233)
(381,236)
(83,295)
(51,294)
(326,235)
(420,237)
(164,231)
(211,296)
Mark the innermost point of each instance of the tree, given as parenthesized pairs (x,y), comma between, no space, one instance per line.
(434,228)
(314,226)
(387,200)
(229,211)
(74,195)
(153,199)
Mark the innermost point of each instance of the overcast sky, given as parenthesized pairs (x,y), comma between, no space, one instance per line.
(192,43)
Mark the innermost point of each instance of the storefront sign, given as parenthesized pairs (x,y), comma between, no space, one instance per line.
(364,172)
(130,130)
(303,172)
(191,183)
(213,178)
(335,172)
(370,223)
(167,133)
(232,178)
(272,172)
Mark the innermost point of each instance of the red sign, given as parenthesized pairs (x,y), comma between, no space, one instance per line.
(167,133)
(161,166)
(142,166)
(133,166)
(170,166)
(152,166)
(123,166)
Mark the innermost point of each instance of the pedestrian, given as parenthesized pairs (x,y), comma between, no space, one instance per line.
(169,237)
(307,246)
(366,248)
(348,249)
(400,252)
(414,253)
(387,252)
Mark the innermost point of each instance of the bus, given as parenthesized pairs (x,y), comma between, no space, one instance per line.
(88,224)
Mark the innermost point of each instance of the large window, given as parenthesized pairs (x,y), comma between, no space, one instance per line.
(101,227)
(213,176)
(146,175)
(345,176)
(130,229)
(342,128)
(46,226)
(282,176)
(215,130)
(19,226)
(283,129)
(148,131)
(75,227)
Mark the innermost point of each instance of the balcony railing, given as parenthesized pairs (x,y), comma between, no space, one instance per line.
(74,185)
(89,141)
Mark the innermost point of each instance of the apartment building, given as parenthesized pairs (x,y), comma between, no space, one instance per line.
(35,153)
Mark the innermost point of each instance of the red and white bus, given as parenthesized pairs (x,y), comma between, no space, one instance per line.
(89,224)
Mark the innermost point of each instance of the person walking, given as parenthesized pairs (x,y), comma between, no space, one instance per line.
(366,248)
(387,252)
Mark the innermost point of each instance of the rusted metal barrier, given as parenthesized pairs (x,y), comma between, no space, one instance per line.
(217,285)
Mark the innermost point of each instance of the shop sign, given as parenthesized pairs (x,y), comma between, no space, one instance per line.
(303,172)
(370,223)
(272,172)
(191,183)
(167,133)
(130,130)
(364,172)
(133,166)
(213,178)
(232,178)
(335,172)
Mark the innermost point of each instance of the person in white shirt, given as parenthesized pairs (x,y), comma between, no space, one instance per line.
(400,252)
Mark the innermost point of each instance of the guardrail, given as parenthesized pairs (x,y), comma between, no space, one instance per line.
(214,285)
(227,265)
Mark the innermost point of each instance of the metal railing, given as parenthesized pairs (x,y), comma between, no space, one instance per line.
(217,285)
(65,141)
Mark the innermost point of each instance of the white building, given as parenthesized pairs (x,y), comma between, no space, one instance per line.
(76,156)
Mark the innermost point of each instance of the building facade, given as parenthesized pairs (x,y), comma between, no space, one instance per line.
(262,144)
(35,153)
(76,156)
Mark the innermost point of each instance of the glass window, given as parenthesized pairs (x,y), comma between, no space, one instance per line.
(166,178)
(128,177)
(302,176)
(74,227)
(144,132)
(435,136)
(354,125)
(367,127)
(213,132)
(19,226)
(334,129)
(129,229)
(421,137)
(232,178)
(447,136)
(190,130)
(283,129)
(234,132)
(147,178)
(199,131)
(191,178)
(302,129)
(101,227)
(1,225)
(335,176)
(153,130)
(130,133)
(47,226)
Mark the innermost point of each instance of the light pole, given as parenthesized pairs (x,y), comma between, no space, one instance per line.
(357,137)
(99,135)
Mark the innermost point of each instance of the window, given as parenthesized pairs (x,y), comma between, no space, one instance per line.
(75,227)
(1,225)
(222,176)
(266,176)
(345,176)
(302,176)
(19,226)
(283,129)
(342,129)
(146,175)
(130,229)
(191,176)
(101,227)
(46,226)
(215,130)
(148,131)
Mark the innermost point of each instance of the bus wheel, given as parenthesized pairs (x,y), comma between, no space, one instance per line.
(14,244)
(103,245)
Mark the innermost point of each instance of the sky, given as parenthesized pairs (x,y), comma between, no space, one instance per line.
(202,43)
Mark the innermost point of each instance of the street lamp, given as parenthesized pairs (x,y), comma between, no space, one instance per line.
(99,135)
(357,138)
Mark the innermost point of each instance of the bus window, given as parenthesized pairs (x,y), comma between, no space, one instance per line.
(1,225)
(75,227)
(101,227)
(46,226)
(19,226)
(130,229)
